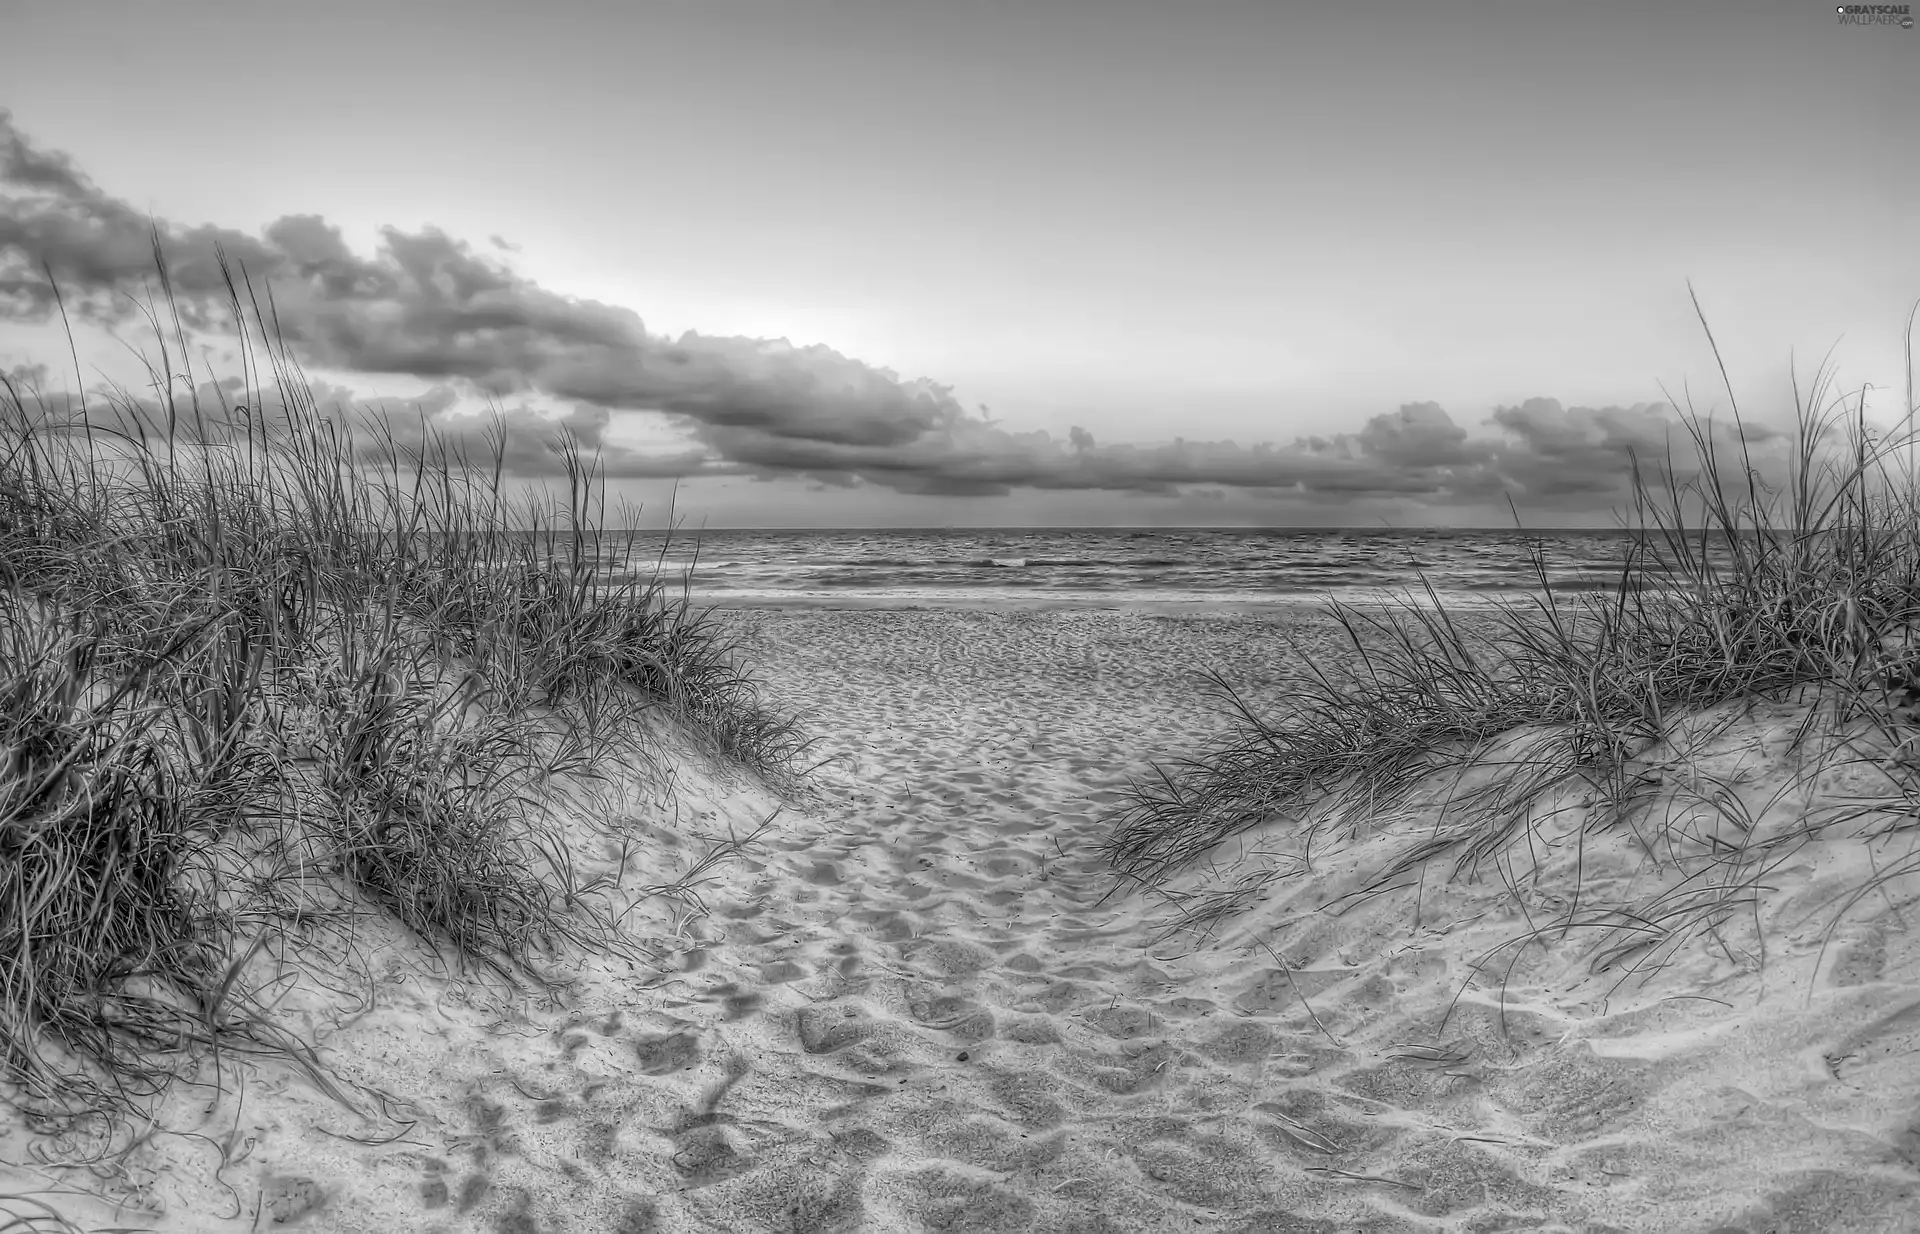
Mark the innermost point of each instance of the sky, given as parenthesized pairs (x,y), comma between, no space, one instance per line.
(972,262)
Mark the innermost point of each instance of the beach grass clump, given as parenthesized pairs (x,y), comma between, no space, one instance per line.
(261,668)
(429,797)
(101,935)
(1744,578)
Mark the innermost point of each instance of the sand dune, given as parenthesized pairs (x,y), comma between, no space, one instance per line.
(920,1004)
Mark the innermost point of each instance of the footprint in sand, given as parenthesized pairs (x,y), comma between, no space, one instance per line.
(666,1055)
(289,1200)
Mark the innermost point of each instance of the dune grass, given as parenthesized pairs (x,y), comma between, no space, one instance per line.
(1732,588)
(261,669)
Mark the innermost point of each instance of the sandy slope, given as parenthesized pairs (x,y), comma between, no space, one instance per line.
(912,1010)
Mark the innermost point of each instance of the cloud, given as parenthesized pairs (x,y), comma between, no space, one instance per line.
(1419,434)
(26,377)
(527,437)
(430,307)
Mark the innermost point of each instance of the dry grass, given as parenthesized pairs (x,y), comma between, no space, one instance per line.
(259,670)
(1730,590)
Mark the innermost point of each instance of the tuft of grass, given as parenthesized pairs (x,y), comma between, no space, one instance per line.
(1731,588)
(260,666)
(96,835)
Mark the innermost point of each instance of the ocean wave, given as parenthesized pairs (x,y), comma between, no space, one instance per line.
(1007,562)
(1089,563)
(1276,565)
(1570,585)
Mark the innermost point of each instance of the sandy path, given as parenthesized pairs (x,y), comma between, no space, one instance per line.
(1025,1058)
(1023,1064)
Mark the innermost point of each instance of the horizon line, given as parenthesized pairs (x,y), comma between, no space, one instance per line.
(945,527)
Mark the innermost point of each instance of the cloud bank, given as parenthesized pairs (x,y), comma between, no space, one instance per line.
(432,307)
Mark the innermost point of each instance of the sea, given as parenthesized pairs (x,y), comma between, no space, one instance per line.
(1158,567)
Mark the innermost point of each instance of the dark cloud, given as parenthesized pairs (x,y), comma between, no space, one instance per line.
(38,169)
(26,378)
(431,307)
(1418,435)
(528,439)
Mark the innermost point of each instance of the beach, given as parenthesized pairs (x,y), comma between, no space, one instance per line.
(921,1000)
(956,618)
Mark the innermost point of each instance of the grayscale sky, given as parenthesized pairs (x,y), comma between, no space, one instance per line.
(1203,262)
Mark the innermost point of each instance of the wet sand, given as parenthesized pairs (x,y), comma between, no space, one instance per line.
(922,1005)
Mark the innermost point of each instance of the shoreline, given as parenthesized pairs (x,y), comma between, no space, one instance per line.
(1204,607)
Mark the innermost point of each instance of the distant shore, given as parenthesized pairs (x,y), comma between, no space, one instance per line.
(1288,606)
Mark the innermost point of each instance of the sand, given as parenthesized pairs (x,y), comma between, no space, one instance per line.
(910,1007)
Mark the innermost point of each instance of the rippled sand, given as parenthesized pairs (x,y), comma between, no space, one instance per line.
(922,1005)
